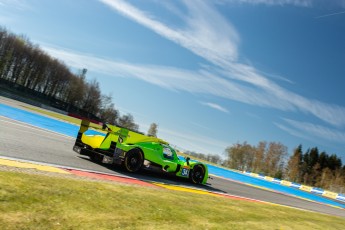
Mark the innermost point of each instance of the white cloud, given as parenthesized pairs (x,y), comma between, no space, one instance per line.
(215,106)
(309,131)
(216,40)
(199,81)
(193,141)
(331,14)
(202,81)
(211,37)
(293,132)
(189,140)
(302,3)
(16,4)
(204,127)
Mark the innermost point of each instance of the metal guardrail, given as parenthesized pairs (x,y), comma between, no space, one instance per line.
(319,191)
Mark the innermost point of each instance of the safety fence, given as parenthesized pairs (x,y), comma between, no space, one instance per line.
(319,191)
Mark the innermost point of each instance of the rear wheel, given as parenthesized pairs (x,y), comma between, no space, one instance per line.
(197,175)
(133,160)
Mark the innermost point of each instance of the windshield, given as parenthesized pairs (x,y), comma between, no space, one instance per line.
(168,152)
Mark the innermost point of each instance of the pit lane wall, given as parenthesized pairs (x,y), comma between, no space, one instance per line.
(319,191)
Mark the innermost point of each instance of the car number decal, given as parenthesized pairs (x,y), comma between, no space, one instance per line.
(185,172)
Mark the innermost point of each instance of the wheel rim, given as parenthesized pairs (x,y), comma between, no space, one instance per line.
(134,161)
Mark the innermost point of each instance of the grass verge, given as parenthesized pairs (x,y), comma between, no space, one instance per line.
(43,202)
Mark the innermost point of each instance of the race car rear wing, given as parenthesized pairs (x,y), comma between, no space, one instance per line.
(115,134)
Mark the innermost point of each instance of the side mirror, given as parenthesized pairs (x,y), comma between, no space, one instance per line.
(187,160)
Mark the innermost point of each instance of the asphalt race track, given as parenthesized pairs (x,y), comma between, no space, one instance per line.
(22,141)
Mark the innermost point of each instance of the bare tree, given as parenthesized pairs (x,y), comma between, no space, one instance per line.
(127,121)
(240,156)
(92,99)
(153,130)
(108,113)
(259,157)
(293,170)
(25,64)
(274,158)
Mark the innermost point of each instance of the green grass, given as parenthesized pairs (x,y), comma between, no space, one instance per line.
(42,202)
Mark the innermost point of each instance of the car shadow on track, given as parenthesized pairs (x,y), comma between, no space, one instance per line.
(149,176)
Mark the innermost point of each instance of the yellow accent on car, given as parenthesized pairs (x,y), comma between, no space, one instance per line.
(94,141)
(134,137)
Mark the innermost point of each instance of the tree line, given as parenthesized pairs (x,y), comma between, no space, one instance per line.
(264,158)
(25,64)
(316,169)
(271,159)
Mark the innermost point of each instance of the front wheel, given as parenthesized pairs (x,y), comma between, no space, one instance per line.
(133,160)
(197,174)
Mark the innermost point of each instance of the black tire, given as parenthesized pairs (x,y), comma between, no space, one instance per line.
(134,159)
(197,174)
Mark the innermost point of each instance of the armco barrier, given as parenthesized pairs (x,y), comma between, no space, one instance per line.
(329,194)
(341,197)
(319,191)
(261,176)
(278,181)
(268,178)
(305,188)
(295,185)
(286,183)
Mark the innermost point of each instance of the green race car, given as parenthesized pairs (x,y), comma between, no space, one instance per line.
(135,151)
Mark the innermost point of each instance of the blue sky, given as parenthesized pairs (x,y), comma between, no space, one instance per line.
(210,73)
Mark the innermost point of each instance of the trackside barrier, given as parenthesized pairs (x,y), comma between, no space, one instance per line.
(261,176)
(277,181)
(329,194)
(305,188)
(295,185)
(254,174)
(286,183)
(319,191)
(341,197)
(268,178)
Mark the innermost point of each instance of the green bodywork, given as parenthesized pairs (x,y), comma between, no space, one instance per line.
(156,152)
